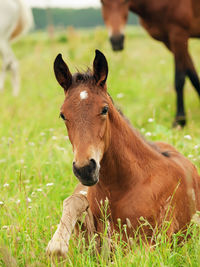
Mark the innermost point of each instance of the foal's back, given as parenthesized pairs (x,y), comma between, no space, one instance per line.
(170,191)
(183,171)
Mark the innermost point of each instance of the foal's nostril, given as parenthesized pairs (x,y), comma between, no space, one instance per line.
(76,170)
(93,164)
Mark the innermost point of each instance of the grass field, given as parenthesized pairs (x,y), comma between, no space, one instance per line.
(36,156)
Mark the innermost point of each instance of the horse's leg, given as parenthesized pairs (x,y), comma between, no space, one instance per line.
(14,68)
(4,67)
(73,207)
(192,74)
(15,76)
(9,63)
(178,44)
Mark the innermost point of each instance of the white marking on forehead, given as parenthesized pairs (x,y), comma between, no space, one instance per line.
(83,95)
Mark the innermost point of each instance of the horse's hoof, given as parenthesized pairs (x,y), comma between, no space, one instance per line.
(179,122)
(57,247)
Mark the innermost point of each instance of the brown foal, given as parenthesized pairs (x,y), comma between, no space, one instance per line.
(112,161)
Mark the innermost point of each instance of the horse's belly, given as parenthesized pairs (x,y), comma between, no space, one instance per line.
(195,22)
(195,27)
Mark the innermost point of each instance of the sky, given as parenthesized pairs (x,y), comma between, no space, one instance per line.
(64,3)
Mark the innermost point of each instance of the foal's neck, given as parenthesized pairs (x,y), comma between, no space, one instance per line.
(128,158)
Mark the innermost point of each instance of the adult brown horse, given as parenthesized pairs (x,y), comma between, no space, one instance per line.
(171,22)
(112,160)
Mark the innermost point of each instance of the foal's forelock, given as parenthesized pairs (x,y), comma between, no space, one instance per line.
(83,77)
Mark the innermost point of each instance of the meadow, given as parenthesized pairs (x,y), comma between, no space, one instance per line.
(36,156)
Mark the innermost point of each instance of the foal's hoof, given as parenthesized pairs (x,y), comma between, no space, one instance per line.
(57,247)
(179,121)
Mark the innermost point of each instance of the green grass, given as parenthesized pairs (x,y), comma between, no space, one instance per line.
(36,156)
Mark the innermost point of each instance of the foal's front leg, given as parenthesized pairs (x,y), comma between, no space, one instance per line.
(73,207)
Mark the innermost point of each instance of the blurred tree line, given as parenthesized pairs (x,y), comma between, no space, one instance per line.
(79,18)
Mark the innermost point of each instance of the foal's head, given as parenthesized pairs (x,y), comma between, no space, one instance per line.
(85,113)
(115,14)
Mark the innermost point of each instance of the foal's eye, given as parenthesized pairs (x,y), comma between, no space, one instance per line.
(104,110)
(62,116)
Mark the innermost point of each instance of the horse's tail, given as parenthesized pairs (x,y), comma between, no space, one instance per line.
(25,21)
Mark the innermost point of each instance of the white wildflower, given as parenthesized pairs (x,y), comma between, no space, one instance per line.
(18,201)
(42,133)
(6,185)
(49,184)
(188,137)
(28,199)
(190,156)
(31,143)
(197,146)
(1,203)
(148,134)
(54,137)
(5,227)
(39,190)
(120,95)
(60,148)
(150,120)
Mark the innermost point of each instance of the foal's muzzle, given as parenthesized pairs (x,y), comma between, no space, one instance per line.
(117,42)
(88,175)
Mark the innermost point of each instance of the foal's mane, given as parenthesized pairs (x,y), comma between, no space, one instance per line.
(88,78)
(83,77)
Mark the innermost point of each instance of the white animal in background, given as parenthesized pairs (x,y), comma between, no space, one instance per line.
(15,19)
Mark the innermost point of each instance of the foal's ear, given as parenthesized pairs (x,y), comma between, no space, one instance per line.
(62,73)
(100,68)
